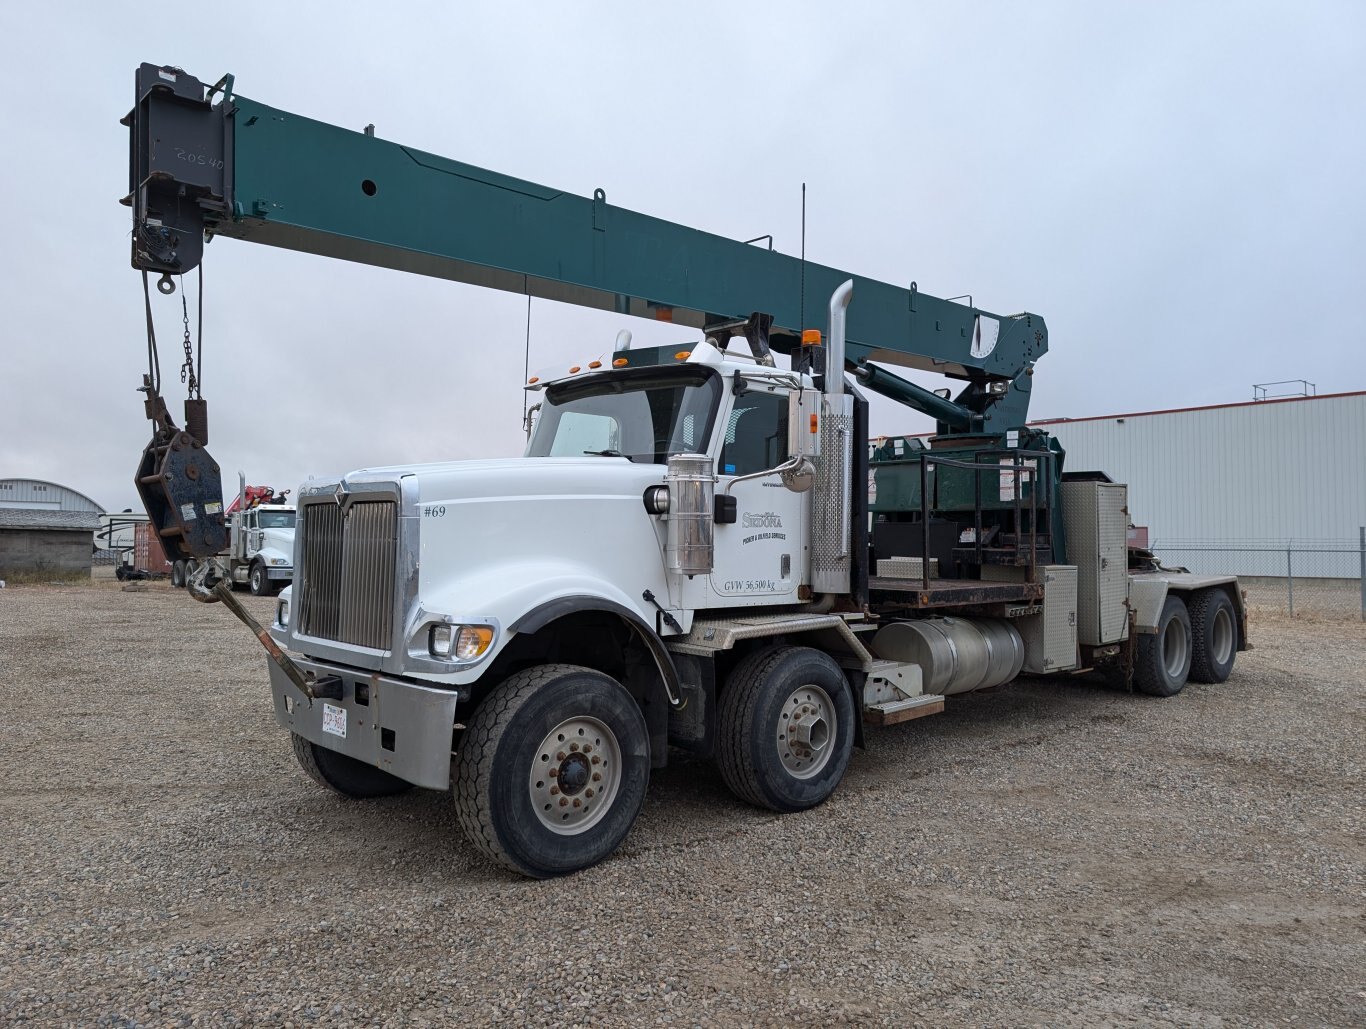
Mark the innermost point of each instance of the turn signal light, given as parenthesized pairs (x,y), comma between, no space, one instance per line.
(574,370)
(460,642)
(811,337)
(534,379)
(814,427)
(594,364)
(620,362)
(683,355)
(472,640)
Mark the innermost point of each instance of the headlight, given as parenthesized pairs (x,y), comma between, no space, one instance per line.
(282,612)
(460,642)
(279,561)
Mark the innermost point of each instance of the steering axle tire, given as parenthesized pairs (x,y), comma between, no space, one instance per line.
(552,770)
(345,775)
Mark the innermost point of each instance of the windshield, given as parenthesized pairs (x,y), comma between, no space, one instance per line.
(275,519)
(645,418)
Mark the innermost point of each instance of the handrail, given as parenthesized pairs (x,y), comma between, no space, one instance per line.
(1023,463)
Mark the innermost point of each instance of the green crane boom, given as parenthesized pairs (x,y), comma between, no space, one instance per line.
(208,162)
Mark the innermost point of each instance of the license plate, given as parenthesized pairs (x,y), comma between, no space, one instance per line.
(334,720)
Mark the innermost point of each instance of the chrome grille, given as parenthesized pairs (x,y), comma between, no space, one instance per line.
(347,573)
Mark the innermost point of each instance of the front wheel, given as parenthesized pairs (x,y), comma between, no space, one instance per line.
(345,775)
(552,770)
(178,574)
(259,581)
(1162,659)
(786,728)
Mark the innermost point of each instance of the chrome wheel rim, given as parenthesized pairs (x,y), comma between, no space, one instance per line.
(575,775)
(807,726)
(1175,648)
(1221,642)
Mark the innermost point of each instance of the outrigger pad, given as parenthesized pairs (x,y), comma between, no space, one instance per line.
(182,491)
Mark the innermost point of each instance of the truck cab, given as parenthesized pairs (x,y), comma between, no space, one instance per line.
(261,539)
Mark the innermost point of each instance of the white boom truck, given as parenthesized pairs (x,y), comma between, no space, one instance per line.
(260,550)
(670,564)
(699,548)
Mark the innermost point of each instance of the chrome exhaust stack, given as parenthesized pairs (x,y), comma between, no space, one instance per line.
(834,357)
(831,526)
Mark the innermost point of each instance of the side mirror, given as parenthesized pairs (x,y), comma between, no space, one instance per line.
(800,476)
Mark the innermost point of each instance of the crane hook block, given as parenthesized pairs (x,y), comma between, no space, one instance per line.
(182,490)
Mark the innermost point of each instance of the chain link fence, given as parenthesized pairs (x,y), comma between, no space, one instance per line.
(1320,578)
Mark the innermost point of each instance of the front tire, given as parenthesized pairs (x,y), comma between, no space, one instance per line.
(786,728)
(345,775)
(552,770)
(259,581)
(1214,636)
(1162,660)
(178,574)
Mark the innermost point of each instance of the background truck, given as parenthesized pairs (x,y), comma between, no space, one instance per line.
(260,538)
(700,548)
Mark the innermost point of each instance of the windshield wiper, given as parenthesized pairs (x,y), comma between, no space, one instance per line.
(605,453)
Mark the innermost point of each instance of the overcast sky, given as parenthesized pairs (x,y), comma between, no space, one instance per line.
(1176,187)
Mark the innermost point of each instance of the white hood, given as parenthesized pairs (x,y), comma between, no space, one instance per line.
(501,537)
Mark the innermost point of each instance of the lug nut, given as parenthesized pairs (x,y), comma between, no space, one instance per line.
(588,748)
(564,802)
(597,760)
(553,772)
(573,746)
(561,756)
(588,792)
(597,777)
(554,790)
(578,802)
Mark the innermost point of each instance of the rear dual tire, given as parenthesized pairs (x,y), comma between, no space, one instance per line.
(1214,636)
(1195,642)
(1162,659)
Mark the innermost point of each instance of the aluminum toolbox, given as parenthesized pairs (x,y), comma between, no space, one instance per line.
(1096,519)
(1050,639)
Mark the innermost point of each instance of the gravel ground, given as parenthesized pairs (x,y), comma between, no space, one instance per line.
(1051,852)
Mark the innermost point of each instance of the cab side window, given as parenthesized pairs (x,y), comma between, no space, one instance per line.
(756,435)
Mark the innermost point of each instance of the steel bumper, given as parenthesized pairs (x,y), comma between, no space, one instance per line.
(279,572)
(398,726)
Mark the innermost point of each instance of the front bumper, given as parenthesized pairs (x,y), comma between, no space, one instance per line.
(398,726)
(280,571)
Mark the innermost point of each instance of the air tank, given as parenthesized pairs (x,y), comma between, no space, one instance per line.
(955,655)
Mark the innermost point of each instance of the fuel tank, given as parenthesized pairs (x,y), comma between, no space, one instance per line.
(955,655)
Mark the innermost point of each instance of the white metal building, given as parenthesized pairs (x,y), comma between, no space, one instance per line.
(45,528)
(1264,472)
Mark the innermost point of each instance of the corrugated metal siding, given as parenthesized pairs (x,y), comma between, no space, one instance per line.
(1259,472)
(35,494)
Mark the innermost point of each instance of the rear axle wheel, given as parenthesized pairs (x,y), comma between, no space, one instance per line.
(1162,659)
(786,728)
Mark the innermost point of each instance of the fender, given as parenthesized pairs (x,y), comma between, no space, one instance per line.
(541,616)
